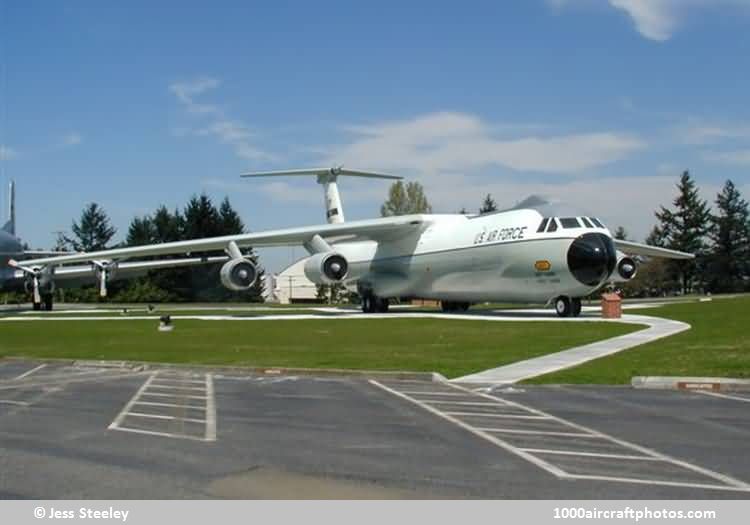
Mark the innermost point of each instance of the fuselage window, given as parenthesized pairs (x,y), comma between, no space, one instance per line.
(596,221)
(587,222)
(569,222)
(543,226)
(552,225)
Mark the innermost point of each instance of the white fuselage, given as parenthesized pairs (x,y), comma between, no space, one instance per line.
(493,257)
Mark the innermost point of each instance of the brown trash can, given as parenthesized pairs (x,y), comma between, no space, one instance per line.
(611,306)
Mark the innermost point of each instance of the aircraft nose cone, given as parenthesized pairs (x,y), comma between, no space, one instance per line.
(592,258)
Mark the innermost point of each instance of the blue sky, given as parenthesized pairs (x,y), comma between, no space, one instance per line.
(597,103)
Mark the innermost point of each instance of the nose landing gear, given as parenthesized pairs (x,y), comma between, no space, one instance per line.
(567,307)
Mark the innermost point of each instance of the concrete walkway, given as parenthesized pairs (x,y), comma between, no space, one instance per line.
(657,328)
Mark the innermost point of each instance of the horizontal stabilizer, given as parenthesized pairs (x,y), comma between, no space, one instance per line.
(634,248)
(323,172)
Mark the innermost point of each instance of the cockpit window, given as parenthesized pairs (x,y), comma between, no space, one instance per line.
(543,226)
(596,221)
(569,222)
(586,222)
(552,225)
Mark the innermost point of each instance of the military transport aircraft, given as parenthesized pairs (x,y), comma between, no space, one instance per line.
(518,255)
(40,280)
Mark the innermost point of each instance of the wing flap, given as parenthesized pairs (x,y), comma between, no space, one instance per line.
(634,248)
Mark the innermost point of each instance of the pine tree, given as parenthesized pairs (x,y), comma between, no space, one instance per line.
(405,200)
(621,234)
(730,241)
(489,205)
(685,229)
(201,218)
(93,231)
(168,227)
(229,219)
(141,231)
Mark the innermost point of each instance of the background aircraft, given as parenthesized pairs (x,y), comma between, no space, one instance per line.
(41,280)
(518,255)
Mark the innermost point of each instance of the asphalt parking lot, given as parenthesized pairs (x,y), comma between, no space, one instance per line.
(87,432)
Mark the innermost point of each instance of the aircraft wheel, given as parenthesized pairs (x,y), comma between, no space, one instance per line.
(448,306)
(381,305)
(48,302)
(464,306)
(575,305)
(37,307)
(562,306)
(367,303)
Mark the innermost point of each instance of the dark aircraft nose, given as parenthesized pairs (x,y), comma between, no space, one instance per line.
(592,258)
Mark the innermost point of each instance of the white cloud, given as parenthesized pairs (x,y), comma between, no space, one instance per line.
(699,132)
(449,142)
(72,139)
(735,158)
(228,131)
(7,153)
(188,90)
(658,19)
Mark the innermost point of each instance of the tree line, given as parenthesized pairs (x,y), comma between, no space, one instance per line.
(718,236)
(199,218)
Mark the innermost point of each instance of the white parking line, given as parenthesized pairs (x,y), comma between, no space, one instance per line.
(733,483)
(124,412)
(210,409)
(27,374)
(159,416)
(724,396)
(426,393)
(163,434)
(12,402)
(642,454)
(488,414)
(589,454)
(175,387)
(535,432)
(467,403)
(170,405)
(502,444)
(181,396)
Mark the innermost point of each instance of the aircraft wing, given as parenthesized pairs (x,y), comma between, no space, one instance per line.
(387,228)
(634,248)
(127,269)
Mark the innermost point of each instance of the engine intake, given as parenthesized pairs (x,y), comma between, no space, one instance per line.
(326,268)
(238,275)
(626,268)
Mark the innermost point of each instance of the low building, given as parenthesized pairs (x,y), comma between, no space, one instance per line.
(292,286)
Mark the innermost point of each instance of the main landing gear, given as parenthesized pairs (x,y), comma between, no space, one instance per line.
(372,304)
(454,306)
(46,304)
(567,307)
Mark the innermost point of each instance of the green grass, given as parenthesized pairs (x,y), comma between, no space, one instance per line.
(451,347)
(718,345)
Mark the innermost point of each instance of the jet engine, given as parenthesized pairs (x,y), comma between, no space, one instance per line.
(626,268)
(238,274)
(326,268)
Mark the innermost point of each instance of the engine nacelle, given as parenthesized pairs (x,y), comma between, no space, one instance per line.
(238,275)
(625,269)
(326,268)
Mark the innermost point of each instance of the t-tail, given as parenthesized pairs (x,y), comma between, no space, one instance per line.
(327,177)
(10,226)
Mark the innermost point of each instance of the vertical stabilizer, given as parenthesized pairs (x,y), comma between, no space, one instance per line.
(327,178)
(10,226)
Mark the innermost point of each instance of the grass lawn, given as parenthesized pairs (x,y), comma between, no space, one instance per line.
(718,345)
(451,347)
